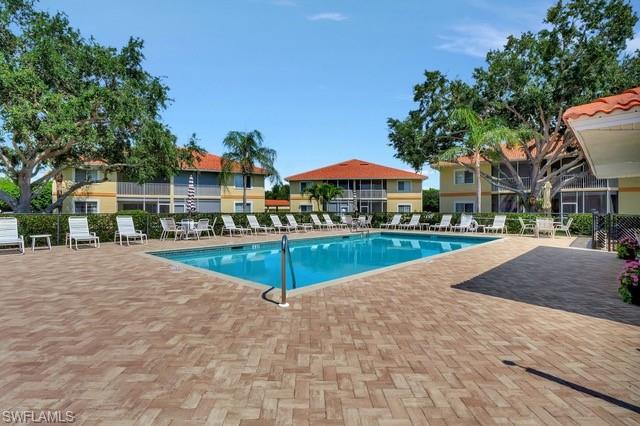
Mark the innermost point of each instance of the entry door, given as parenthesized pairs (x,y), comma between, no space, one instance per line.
(569,208)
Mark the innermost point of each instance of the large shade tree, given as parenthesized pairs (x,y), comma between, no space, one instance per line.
(244,152)
(66,100)
(323,193)
(579,55)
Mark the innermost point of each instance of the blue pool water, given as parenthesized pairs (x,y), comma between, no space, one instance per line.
(315,260)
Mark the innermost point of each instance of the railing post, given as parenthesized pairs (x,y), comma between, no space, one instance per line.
(283,271)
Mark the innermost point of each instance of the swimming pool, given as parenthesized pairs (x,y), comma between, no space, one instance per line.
(317,260)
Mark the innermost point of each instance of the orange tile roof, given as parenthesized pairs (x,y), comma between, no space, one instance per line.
(213,163)
(355,169)
(276,203)
(623,102)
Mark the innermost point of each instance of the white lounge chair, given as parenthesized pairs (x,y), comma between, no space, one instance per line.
(444,225)
(464,225)
(328,221)
(499,224)
(127,230)
(395,221)
(545,226)
(203,227)
(526,226)
(564,228)
(413,223)
(79,232)
(169,226)
(294,224)
(255,225)
(318,223)
(9,233)
(275,220)
(230,226)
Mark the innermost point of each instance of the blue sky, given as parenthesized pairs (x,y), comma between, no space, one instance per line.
(317,78)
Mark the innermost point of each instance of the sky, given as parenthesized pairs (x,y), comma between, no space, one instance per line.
(318,78)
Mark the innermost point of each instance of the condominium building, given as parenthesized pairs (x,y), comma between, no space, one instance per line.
(165,195)
(366,188)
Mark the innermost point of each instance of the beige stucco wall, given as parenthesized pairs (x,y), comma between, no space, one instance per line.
(104,193)
(629,195)
(296,198)
(255,195)
(450,192)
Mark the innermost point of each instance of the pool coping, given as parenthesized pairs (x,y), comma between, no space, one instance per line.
(494,238)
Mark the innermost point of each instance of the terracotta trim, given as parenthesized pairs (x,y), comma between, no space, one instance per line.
(629,189)
(462,194)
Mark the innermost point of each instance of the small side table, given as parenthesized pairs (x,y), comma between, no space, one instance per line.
(35,237)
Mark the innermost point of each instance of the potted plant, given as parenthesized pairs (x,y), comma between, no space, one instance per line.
(629,279)
(627,248)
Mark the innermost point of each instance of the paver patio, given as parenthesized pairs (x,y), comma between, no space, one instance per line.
(117,337)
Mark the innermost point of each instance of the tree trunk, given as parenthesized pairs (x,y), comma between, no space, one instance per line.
(244,194)
(477,177)
(24,183)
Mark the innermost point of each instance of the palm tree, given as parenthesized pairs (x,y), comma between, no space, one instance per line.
(244,151)
(479,138)
(322,193)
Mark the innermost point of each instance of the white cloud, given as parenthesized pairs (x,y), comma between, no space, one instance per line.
(633,44)
(473,39)
(327,16)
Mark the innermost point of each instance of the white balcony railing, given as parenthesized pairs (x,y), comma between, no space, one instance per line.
(133,188)
(512,183)
(589,182)
(364,194)
(201,190)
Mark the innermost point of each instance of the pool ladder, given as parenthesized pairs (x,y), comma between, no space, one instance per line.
(284,254)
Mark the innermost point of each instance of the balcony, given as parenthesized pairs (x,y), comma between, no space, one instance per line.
(511,182)
(364,194)
(133,188)
(589,182)
(201,190)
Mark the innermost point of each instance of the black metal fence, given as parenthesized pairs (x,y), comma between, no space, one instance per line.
(608,229)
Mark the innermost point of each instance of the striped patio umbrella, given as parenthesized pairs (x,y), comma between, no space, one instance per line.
(191,196)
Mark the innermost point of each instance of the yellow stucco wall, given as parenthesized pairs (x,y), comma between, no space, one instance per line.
(296,198)
(450,192)
(255,195)
(629,195)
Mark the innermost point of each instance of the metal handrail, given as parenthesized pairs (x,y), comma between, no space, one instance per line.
(284,248)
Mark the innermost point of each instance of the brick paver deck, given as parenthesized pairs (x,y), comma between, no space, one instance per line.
(117,337)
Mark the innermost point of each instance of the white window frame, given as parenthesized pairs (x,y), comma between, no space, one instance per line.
(305,205)
(249,203)
(455,203)
(404,205)
(86,201)
(473,177)
(406,182)
(307,182)
(249,178)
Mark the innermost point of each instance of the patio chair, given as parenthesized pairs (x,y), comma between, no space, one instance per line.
(464,225)
(79,232)
(275,220)
(294,224)
(445,223)
(127,230)
(255,225)
(169,226)
(230,226)
(545,226)
(318,223)
(328,221)
(9,233)
(367,221)
(526,226)
(395,221)
(499,224)
(203,227)
(564,228)
(413,223)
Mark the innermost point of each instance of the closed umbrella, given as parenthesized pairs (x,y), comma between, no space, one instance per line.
(191,196)
(546,196)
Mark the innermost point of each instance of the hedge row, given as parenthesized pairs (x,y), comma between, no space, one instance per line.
(104,225)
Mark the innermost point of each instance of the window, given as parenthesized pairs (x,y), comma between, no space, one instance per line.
(305,208)
(238,181)
(404,186)
(237,207)
(463,176)
(404,208)
(85,207)
(83,175)
(305,185)
(463,207)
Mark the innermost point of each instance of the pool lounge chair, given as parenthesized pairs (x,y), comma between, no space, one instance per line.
(328,221)
(526,226)
(318,223)
(9,233)
(464,225)
(275,219)
(395,221)
(256,227)
(413,223)
(294,223)
(564,228)
(444,225)
(499,224)
(169,226)
(127,230)
(79,232)
(230,226)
